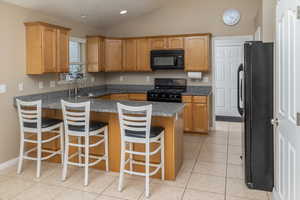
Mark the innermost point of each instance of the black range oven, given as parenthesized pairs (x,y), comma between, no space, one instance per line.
(167,59)
(167,90)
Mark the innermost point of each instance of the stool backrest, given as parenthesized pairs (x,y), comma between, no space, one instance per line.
(76,114)
(135,118)
(30,112)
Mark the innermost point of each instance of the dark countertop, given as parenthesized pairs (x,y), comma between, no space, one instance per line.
(110,106)
(51,100)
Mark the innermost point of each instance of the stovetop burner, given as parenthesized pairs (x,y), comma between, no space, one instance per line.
(167,90)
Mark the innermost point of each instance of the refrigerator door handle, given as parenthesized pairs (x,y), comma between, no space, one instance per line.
(239,88)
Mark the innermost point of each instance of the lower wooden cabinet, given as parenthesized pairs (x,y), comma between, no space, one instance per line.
(119,96)
(196,114)
(137,97)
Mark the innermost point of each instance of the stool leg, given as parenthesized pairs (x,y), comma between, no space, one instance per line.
(79,150)
(86,161)
(130,157)
(106,148)
(66,158)
(162,156)
(147,166)
(39,155)
(122,166)
(61,132)
(20,164)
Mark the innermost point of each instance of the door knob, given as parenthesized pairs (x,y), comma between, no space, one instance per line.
(275,122)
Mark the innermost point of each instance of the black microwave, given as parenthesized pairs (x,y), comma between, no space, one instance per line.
(167,59)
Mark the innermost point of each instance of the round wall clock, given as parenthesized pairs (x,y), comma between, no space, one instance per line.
(231,17)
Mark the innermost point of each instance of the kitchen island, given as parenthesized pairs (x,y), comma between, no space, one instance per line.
(167,115)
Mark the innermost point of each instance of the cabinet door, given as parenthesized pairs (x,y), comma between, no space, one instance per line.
(119,97)
(95,54)
(129,55)
(49,49)
(113,55)
(197,53)
(137,97)
(188,117)
(175,43)
(62,51)
(200,117)
(143,55)
(158,43)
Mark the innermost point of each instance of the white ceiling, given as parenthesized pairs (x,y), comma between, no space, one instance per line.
(100,13)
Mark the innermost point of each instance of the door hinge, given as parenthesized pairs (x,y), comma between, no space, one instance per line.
(298,12)
(298,119)
(275,122)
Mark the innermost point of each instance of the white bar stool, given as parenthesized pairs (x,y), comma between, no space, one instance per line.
(135,125)
(31,121)
(77,123)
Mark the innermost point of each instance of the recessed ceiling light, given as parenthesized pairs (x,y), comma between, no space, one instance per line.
(123,12)
(83,16)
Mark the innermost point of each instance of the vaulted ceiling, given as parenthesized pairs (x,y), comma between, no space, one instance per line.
(99,13)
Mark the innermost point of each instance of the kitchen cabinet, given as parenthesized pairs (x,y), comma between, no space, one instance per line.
(130,55)
(197,53)
(158,43)
(113,55)
(63,50)
(137,97)
(143,55)
(119,97)
(175,43)
(196,114)
(95,54)
(187,116)
(47,48)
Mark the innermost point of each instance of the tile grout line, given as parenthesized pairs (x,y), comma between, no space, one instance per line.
(196,160)
(225,193)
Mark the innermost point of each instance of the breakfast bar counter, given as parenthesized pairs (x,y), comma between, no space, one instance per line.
(166,115)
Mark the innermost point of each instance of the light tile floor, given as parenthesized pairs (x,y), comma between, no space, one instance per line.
(211,170)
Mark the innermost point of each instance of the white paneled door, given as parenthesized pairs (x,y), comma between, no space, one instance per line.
(228,55)
(287,98)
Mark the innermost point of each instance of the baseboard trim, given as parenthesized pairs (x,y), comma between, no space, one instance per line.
(275,195)
(228,119)
(8,163)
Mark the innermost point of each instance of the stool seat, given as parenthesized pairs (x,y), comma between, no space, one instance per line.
(93,126)
(154,132)
(46,122)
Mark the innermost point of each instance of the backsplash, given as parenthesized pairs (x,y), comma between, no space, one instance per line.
(147,78)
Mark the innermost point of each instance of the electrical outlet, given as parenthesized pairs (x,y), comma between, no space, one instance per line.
(121,78)
(93,79)
(148,78)
(52,84)
(205,79)
(2,88)
(41,85)
(21,87)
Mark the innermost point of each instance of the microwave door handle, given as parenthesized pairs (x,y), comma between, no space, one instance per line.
(176,61)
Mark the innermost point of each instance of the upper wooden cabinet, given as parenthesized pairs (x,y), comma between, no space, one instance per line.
(143,55)
(197,53)
(63,50)
(158,43)
(95,54)
(133,54)
(47,48)
(113,55)
(175,43)
(130,55)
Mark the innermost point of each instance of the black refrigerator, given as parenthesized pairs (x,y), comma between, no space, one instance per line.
(255,104)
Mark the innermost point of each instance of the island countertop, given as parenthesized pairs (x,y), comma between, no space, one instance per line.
(161,109)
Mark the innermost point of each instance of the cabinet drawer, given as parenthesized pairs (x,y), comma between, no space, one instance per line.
(200,99)
(137,97)
(186,99)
